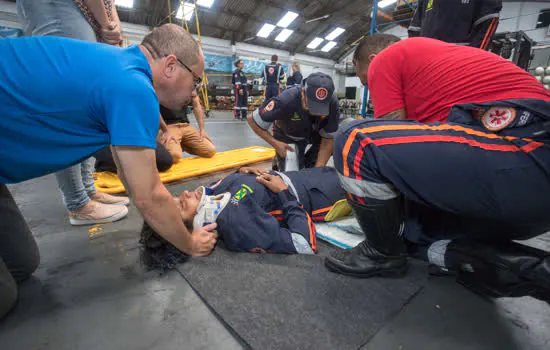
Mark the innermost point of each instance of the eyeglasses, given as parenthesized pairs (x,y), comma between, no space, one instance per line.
(198,79)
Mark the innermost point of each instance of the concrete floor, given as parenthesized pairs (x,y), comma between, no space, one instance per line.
(94,294)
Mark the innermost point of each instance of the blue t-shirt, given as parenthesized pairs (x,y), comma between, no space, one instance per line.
(61,100)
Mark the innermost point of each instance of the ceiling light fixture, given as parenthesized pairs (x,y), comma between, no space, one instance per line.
(125,3)
(386,3)
(329,46)
(335,33)
(283,35)
(186,12)
(205,3)
(288,18)
(314,43)
(265,30)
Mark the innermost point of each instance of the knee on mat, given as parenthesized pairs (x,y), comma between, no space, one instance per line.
(8,296)
(208,152)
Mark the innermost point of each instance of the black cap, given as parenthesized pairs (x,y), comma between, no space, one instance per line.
(319,90)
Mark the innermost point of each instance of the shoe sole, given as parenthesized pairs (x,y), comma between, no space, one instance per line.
(112,218)
(394,273)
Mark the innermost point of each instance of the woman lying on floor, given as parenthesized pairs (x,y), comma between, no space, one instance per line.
(259,211)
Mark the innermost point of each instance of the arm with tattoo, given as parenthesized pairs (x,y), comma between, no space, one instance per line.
(398,114)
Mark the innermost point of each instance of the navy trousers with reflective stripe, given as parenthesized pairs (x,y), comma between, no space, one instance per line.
(458,180)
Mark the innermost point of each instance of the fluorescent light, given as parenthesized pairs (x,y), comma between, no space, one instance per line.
(284,34)
(205,3)
(265,30)
(187,11)
(288,18)
(329,46)
(335,33)
(314,43)
(385,3)
(125,3)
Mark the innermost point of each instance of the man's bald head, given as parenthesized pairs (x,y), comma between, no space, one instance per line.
(369,47)
(172,39)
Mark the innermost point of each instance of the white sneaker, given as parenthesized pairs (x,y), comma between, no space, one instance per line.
(108,199)
(97,213)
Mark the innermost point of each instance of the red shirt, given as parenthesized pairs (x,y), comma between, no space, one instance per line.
(427,77)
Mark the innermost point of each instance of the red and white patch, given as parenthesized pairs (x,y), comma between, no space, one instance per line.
(269,106)
(236,76)
(321,94)
(497,118)
(271,70)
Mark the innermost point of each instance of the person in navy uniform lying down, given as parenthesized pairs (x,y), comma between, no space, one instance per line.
(259,211)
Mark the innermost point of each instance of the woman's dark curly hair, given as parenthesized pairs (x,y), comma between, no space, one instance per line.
(158,253)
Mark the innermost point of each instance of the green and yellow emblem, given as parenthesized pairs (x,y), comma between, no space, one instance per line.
(240,194)
(430,5)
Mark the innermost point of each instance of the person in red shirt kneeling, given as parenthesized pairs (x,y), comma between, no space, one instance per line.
(456,161)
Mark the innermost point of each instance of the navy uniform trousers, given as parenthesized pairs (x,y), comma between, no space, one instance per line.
(459,179)
(272,90)
(241,103)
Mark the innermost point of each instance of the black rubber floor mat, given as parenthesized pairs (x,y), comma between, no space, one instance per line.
(293,302)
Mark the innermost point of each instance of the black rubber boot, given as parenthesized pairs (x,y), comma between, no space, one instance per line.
(383,251)
(497,270)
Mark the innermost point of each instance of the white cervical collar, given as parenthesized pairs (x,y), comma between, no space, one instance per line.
(209,208)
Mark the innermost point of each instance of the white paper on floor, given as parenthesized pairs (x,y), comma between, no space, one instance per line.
(344,233)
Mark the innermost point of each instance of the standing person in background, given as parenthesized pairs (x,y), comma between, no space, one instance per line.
(296,77)
(90,20)
(240,84)
(463,22)
(273,74)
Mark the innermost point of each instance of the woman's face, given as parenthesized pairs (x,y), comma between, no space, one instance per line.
(241,65)
(187,203)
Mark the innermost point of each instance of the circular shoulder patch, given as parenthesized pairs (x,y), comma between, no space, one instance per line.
(271,70)
(270,106)
(321,93)
(497,118)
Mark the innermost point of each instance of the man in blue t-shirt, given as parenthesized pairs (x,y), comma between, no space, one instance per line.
(62,100)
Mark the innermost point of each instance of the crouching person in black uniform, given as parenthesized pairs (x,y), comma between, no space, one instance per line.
(302,116)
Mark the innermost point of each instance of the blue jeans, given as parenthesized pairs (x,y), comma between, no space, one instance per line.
(62,18)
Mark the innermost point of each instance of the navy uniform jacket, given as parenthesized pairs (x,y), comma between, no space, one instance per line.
(239,79)
(294,79)
(292,122)
(258,220)
(456,21)
(273,73)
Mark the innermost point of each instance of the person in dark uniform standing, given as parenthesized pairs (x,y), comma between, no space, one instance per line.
(296,77)
(463,22)
(240,84)
(261,212)
(273,74)
(460,167)
(302,116)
